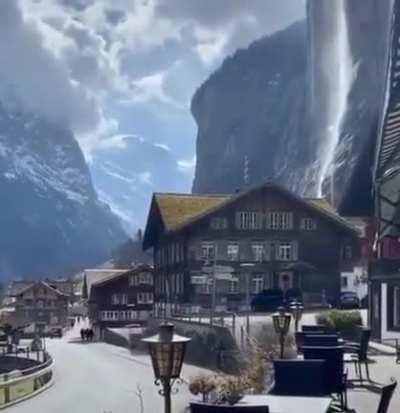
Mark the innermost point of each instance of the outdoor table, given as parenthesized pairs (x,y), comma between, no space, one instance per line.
(288,404)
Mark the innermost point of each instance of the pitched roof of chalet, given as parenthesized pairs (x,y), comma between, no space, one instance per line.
(19,287)
(178,211)
(112,277)
(95,276)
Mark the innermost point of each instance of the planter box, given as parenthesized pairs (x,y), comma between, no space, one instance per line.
(212,408)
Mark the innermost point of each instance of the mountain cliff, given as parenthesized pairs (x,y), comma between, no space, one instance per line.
(51,219)
(300,107)
(253,110)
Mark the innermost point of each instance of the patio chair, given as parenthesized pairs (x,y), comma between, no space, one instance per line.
(335,377)
(317,329)
(320,340)
(358,354)
(386,396)
(299,378)
(208,408)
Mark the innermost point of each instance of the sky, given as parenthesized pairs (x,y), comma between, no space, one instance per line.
(106,68)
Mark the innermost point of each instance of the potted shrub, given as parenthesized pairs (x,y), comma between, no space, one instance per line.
(346,323)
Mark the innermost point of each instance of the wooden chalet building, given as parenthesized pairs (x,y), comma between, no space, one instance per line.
(261,238)
(40,305)
(118,298)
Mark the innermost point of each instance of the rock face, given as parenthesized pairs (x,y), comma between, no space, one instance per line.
(347,94)
(51,219)
(301,105)
(254,106)
(127,185)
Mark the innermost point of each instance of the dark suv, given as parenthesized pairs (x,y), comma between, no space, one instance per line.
(349,300)
(270,300)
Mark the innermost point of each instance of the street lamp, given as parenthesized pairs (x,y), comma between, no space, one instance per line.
(167,351)
(297,311)
(281,321)
(248,304)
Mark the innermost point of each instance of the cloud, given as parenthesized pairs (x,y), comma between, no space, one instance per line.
(115,16)
(187,166)
(230,24)
(79,5)
(37,78)
(76,61)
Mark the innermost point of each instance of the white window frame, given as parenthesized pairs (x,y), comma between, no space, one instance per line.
(115,299)
(280,220)
(145,298)
(218,223)
(208,250)
(233,286)
(124,299)
(285,251)
(258,251)
(249,220)
(257,284)
(232,251)
(308,224)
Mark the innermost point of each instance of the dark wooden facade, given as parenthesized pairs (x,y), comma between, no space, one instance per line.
(121,298)
(384,298)
(41,305)
(282,241)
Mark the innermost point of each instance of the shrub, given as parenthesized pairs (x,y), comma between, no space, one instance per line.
(346,323)
(267,341)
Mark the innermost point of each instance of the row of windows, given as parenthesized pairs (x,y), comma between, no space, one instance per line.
(261,251)
(247,220)
(42,303)
(120,315)
(257,284)
(141,298)
(140,279)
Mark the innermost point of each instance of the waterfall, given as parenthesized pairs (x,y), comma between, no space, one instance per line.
(339,68)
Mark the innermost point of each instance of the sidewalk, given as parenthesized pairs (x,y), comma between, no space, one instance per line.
(382,369)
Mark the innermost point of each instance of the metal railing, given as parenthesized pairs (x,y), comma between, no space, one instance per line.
(21,384)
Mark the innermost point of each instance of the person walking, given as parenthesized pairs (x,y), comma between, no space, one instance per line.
(82,334)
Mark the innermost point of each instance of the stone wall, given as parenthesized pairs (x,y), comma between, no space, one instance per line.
(211,347)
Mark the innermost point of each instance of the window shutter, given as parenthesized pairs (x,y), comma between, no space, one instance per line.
(237,220)
(267,251)
(290,218)
(295,250)
(276,250)
(268,220)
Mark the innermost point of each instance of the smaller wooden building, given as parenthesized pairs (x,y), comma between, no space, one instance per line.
(118,298)
(41,305)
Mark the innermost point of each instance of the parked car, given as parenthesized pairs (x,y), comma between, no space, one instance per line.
(348,300)
(291,296)
(267,300)
(56,332)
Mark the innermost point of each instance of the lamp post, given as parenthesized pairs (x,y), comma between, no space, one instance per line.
(248,304)
(297,311)
(167,351)
(281,321)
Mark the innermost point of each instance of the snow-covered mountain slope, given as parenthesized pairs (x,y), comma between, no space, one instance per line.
(51,218)
(128,171)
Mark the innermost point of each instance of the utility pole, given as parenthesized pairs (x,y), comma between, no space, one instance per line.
(214,287)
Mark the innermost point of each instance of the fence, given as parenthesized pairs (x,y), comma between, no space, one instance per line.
(18,385)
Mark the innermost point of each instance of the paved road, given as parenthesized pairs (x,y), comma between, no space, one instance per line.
(100,378)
